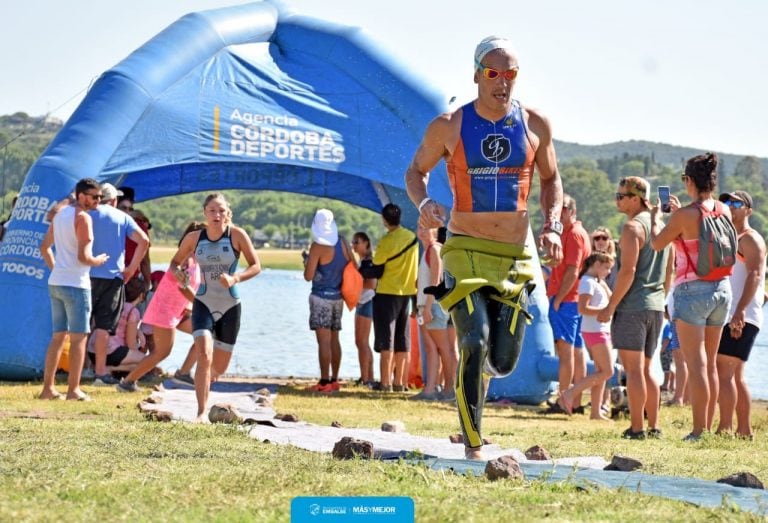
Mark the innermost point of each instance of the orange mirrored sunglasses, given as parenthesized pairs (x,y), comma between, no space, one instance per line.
(492,74)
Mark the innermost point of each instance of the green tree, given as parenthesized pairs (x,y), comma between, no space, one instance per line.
(749,171)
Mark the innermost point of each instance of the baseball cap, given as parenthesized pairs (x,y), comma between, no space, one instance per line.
(109,192)
(637,186)
(742,196)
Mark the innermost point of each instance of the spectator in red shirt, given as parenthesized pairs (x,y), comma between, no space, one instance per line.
(125,202)
(562,290)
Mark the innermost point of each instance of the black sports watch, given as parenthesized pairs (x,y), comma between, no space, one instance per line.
(554,226)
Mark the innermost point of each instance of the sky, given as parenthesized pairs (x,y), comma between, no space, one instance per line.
(685,72)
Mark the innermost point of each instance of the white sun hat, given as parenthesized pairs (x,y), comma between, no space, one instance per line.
(324,231)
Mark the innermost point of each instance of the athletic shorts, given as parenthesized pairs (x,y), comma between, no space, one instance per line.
(107,299)
(738,348)
(70,309)
(579,341)
(324,313)
(702,303)
(365,309)
(637,330)
(597,338)
(114,358)
(224,330)
(390,323)
(565,321)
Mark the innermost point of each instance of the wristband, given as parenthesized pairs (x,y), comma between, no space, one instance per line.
(424,202)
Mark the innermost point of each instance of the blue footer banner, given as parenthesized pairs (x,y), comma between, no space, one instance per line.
(323,509)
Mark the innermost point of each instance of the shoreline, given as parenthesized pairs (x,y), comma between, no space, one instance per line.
(270,258)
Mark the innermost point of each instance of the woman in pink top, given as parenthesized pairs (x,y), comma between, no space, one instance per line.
(701,305)
(169,310)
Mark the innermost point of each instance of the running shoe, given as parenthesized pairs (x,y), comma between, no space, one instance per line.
(335,385)
(183,379)
(692,437)
(628,434)
(383,388)
(320,387)
(105,380)
(426,396)
(447,395)
(654,433)
(127,386)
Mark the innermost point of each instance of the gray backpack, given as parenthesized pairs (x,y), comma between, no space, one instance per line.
(718,244)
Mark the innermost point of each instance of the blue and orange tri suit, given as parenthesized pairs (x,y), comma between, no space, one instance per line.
(492,165)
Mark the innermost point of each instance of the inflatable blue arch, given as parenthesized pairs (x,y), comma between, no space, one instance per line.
(247,97)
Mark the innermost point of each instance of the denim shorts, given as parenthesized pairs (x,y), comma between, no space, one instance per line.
(439,318)
(70,309)
(703,303)
(365,309)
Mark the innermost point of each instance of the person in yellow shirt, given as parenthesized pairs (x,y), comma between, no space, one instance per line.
(398,252)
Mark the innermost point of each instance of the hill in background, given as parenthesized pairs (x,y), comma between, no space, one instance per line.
(662,153)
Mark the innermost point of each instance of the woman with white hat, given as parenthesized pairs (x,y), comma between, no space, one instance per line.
(324,266)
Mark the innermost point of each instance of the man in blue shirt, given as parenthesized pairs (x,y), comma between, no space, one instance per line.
(111,227)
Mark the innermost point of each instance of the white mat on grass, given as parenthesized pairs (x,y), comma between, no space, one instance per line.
(183,406)
(385,444)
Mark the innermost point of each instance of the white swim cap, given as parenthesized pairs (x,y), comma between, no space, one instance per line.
(490,43)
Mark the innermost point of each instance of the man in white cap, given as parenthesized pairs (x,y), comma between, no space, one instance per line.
(491,146)
(324,267)
(110,229)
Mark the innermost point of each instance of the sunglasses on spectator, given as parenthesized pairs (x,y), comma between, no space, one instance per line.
(600,237)
(97,196)
(621,195)
(683,178)
(492,74)
(735,204)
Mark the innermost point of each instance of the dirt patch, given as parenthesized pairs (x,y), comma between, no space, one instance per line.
(35,414)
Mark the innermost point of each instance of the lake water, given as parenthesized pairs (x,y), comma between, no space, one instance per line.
(275,339)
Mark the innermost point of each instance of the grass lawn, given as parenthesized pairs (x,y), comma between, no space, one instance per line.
(69,461)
